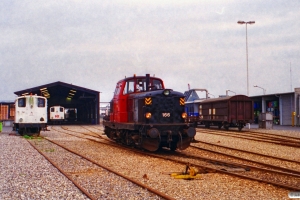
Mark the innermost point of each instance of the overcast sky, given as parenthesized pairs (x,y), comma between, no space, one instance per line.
(95,43)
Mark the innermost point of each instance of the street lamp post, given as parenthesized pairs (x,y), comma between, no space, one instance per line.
(229,91)
(264,90)
(243,22)
(211,94)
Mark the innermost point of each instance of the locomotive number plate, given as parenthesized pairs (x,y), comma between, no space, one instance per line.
(166,114)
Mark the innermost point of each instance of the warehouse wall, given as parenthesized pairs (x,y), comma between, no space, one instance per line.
(297,106)
(287,107)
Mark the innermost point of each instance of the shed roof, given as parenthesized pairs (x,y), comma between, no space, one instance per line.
(60,93)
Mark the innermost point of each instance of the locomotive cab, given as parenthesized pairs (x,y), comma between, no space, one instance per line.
(30,114)
(145,114)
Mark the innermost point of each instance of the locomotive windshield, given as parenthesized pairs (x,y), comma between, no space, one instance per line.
(22,102)
(129,87)
(41,102)
(156,84)
(139,85)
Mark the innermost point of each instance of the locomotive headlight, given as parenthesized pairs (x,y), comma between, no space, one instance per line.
(184,115)
(148,115)
(166,92)
(20,120)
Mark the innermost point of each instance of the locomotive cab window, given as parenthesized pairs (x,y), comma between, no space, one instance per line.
(157,85)
(118,88)
(140,85)
(129,87)
(22,102)
(41,102)
(51,109)
(61,109)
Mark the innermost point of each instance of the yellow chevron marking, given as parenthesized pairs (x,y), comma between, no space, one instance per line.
(148,101)
(181,101)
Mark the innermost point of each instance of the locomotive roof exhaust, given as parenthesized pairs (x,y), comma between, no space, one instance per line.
(147,81)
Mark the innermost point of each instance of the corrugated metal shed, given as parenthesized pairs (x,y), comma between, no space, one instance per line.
(86,101)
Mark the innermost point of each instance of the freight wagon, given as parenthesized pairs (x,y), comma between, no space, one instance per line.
(230,111)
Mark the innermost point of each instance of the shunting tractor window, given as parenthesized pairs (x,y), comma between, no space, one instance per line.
(41,102)
(61,109)
(129,87)
(141,85)
(156,85)
(51,109)
(118,88)
(22,102)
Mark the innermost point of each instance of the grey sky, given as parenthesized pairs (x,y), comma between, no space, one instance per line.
(94,44)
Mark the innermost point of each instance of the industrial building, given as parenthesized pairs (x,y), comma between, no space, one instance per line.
(285,107)
(83,102)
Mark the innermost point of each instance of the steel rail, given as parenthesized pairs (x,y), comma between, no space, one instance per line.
(115,172)
(245,151)
(65,174)
(271,136)
(209,169)
(293,172)
(253,139)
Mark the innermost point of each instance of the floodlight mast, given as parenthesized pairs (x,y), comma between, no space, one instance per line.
(249,22)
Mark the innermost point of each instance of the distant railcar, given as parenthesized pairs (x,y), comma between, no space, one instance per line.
(30,114)
(145,114)
(71,115)
(57,114)
(230,111)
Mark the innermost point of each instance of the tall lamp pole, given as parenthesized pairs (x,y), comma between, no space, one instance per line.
(264,90)
(243,22)
(229,91)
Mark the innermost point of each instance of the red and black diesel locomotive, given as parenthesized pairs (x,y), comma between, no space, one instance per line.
(146,115)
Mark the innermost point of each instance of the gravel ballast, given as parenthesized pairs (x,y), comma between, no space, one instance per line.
(25,174)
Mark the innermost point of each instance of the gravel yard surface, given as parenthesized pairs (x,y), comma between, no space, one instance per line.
(25,174)
(291,153)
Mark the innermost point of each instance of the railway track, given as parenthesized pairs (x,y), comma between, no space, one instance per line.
(286,179)
(255,136)
(90,170)
(263,158)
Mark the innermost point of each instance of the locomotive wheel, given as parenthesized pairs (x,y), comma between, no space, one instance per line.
(207,125)
(240,127)
(220,125)
(27,131)
(38,131)
(226,127)
(151,144)
(173,146)
(20,131)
